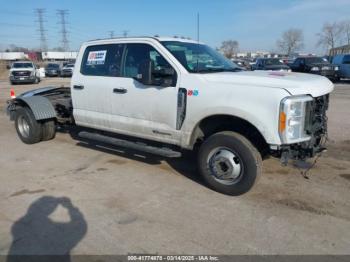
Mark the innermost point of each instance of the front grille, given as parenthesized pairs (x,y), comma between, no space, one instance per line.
(21,73)
(316,118)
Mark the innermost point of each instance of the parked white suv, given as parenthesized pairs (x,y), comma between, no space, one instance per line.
(24,72)
(183,95)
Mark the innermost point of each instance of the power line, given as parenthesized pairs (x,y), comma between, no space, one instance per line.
(43,41)
(62,14)
(14,25)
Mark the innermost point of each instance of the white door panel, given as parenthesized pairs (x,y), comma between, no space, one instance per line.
(145,109)
(95,97)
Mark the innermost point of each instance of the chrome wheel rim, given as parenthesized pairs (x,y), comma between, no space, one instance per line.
(23,127)
(225,166)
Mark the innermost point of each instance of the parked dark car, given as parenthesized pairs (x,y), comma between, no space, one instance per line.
(244,64)
(67,70)
(342,62)
(270,64)
(315,65)
(52,70)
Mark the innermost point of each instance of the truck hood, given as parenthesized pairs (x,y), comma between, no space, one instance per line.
(21,69)
(293,83)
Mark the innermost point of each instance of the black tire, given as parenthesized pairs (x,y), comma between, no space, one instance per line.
(245,156)
(48,130)
(32,132)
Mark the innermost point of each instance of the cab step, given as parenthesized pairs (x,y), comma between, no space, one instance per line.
(161,151)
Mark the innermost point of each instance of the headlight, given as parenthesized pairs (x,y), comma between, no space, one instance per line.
(292,119)
(32,73)
(336,68)
(315,68)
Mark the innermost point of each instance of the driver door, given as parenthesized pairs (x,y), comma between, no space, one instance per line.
(148,111)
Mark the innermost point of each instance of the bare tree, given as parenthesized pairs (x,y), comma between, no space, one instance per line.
(15,48)
(229,48)
(345,30)
(291,41)
(330,35)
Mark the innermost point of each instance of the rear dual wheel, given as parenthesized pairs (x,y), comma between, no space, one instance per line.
(31,131)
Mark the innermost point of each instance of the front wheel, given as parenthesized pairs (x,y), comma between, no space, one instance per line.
(229,163)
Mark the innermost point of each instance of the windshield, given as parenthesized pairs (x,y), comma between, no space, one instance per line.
(316,60)
(22,65)
(273,62)
(199,58)
(53,66)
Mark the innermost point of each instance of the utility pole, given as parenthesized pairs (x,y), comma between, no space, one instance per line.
(198,27)
(111,34)
(62,15)
(43,42)
(125,33)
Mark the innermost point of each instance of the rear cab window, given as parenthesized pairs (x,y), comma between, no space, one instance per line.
(102,60)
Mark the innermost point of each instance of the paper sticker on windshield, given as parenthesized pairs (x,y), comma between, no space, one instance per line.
(96,57)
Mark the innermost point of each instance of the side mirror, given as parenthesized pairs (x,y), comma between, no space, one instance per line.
(164,72)
(145,75)
(8,67)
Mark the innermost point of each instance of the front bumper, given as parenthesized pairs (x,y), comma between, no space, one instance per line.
(22,79)
(315,126)
(330,74)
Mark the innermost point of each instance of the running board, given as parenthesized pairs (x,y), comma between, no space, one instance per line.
(161,151)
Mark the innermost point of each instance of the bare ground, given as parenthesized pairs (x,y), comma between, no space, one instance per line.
(132,202)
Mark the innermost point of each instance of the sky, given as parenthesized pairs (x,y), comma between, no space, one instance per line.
(255,24)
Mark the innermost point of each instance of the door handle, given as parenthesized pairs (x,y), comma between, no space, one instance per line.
(78,87)
(120,90)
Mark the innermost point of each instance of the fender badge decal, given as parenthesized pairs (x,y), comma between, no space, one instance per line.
(194,92)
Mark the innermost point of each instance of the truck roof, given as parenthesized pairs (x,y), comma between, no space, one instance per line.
(136,38)
(22,61)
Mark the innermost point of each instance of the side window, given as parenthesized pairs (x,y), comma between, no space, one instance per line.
(138,54)
(102,60)
(346,59)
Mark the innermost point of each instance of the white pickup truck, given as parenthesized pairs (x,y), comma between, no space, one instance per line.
(24,72)
(167,95)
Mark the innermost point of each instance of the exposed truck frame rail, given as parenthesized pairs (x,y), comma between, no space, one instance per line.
(45,103)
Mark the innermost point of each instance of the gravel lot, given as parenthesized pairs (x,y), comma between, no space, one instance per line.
(65,196)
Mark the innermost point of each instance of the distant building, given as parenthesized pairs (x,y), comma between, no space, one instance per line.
(59,56)
(38,56)
(257,54)
(13,56)
(345,49)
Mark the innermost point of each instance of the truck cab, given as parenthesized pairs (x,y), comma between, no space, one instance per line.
(184,95)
